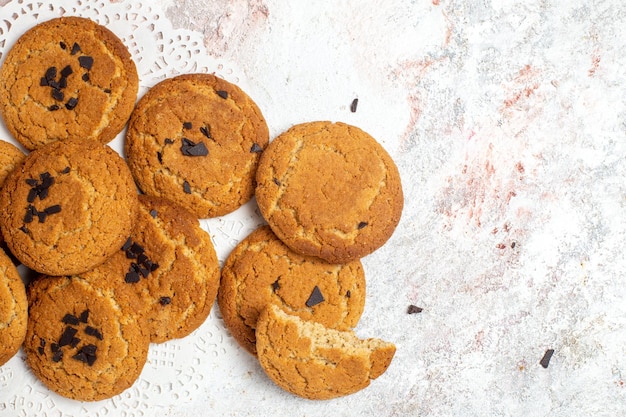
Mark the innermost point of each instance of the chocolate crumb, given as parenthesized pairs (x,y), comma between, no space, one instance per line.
(160,157)
(413,309)
(353,105)
(54,347)
(223,94)
(84,316)
(545,360)
(315,298)
(58,355)
(153,213)
(53,107)
(165,301)
(276,181)
(187,125)
(24,229)
(40,350)
(66,170)
(186,187)
(75,49)
(362,225)
(107,90)
(86,78)
(168,141)
(70,319)
(348,294)
(62,45)
(71,103)
(256,148)
(276,285)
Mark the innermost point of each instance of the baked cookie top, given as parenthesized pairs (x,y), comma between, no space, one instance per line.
(13,309)
(196,139)
(261,270)
(68,207)
(329,190)
(167,272)
(315,362)
(79,343)
(67,78)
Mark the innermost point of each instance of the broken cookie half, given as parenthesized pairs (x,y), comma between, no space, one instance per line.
(316,362)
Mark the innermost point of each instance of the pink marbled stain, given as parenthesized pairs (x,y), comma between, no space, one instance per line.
(595,63)
(523,85)
(226,24)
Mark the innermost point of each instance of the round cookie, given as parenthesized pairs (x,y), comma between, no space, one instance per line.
(10,157)
(78,341)
(315,362)
(167,273)
(13,309)
(68,207)
(196,139)
(261,270)
(67,78)
(329,190)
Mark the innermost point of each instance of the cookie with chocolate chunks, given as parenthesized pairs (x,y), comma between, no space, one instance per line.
(68,207)
(196,139)
(66,78)
(315,362)
(166,273)
(79,342)
(13,309)
(262,270)
(329,190)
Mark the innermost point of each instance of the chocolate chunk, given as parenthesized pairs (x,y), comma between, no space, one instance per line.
(71,103)
(58,355)
(190,148)
(43,82)
(413,309)
(86,78)
(223,94)
(42,215)
(53,209)
(85,62)
(187,125)
(545,360)
(362,225)
(42,345)
(30,213)
(315,298)
(70,319)
(53,107)
(127,244)
(84,316)
(75,341)
(54,347)
(57,94)
(186,187)
(80,356)
(32,195)
(89,350)
(51,74)
(136,248)
(165,301)
(92,331)
(62,45)
(67,336)
(75,49)
(62,83)
(67,71)
(132,277)
(87,354)
(353,105)
(153,213)
(256,148)
(206,131)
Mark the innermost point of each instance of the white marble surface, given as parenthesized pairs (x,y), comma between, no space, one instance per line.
(507,120)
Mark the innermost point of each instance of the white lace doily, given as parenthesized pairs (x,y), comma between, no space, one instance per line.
(175,370)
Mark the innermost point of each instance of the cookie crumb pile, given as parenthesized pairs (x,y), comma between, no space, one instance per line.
(115,244)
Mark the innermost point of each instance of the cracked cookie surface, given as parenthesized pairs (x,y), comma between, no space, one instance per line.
(196,139)
(13,309)
(10,157)
(315,362)
(166,274)
(68,207)
(67,78)
(261,270)
(79,343)
(329,190)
